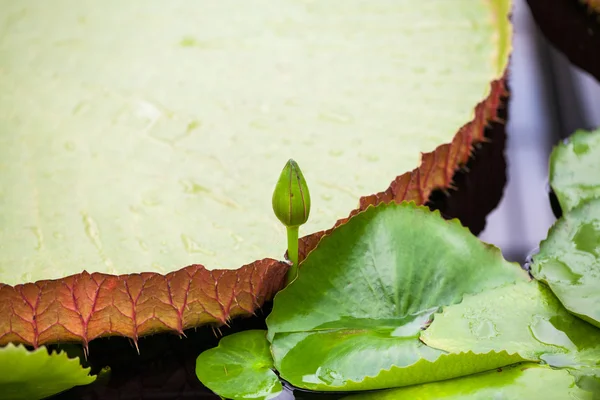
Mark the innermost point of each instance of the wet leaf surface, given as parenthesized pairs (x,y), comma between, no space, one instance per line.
(525,318)
(573,169)
(540,328)
(569,261)
(369,288)
(522,381)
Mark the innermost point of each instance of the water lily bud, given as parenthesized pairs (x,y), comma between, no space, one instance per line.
(291,199)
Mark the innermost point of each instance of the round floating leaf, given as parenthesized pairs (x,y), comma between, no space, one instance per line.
(31,375)
(524,318)
(146,137)
(522,381)
(569,259)
(240,367)
(363,295)
(574,167)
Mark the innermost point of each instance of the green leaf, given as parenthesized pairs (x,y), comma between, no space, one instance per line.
(522,381)
(524,318)
(31,375)
(240,367)
(573,169)
(336,365)
(144,137)
(364,294)
(569,259)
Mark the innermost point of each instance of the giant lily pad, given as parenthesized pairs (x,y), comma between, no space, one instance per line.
(32,375)
(352,318)
(141,138)
(573,169)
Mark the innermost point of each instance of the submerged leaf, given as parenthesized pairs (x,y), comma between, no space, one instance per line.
(240,367)
(574,167)
(522,381)
(364,295)
(569,259)
(32,375)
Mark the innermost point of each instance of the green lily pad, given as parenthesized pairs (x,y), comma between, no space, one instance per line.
(35,374)
(573,169)
(240,367)
(524,318)
(569,259)
(352,318)
(147,136)
(522,381)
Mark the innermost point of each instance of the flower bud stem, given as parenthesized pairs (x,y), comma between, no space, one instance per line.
(292,237)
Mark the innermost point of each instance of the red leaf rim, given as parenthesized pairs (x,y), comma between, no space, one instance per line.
(83,307)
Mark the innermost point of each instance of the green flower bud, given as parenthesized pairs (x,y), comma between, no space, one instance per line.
(291,199)
(291,204)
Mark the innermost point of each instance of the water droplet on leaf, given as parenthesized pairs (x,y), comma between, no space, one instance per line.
(330,377)
(544,331)
(483,329)
(558,271)
(587,238)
